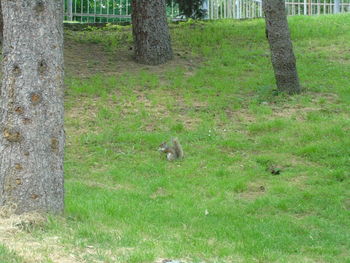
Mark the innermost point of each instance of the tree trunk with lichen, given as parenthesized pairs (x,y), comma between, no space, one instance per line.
(282,56)
(31,106)
(151,33)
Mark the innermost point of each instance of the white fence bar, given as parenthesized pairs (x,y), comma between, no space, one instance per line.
(104,10)
(119,10)
(241,9)
(336,6)
(69,9)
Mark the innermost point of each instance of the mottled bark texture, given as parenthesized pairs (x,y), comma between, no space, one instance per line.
(151,33)
(282,56)
(31,106)
(1,24)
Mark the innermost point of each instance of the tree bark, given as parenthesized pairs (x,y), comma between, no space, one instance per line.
(282,56)
(31,106)
(151,33)
(1,24)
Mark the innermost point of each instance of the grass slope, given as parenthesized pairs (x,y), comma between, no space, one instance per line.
(226,201)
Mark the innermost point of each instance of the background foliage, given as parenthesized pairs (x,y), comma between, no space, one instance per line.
(190,8)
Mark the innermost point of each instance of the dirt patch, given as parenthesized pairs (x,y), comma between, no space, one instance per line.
(242,115)
(333,52)
(15,235)
(83,59)
(160,192)
(299,181)
(83,110)
(115,187)
(161,110)
(190,123)
(329,97)
(253,192)
(298,111)
(183,111)
(347,204)
(86,59)
(158,110)
(78,117)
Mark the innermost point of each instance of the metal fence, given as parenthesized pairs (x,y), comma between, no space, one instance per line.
(317,7)
(95,11)
(102,11)
(240,9)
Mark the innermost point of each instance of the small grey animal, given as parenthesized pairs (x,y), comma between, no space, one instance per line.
(174,151)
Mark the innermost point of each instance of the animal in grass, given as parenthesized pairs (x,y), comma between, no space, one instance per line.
(174,151)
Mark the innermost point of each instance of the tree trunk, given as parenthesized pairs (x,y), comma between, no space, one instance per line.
(151,32)
(31,106)
(1,24)
(282,56)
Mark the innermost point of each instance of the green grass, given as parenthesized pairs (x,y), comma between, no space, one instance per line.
(131,205)
(7,256)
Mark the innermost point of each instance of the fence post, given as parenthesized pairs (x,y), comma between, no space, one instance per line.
(336,6)
(238,9)
(70,10)
(305,7)
(310,8)
(205,7)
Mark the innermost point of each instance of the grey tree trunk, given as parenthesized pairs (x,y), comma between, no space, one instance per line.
(1,24)
(151,33)
(282,56)
(31,106)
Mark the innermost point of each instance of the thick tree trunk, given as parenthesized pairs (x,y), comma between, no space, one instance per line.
(151,32)
(282,56)
(31,106)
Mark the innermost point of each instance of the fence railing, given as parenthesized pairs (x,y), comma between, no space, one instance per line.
(95,11)
(218,9)
(240,9)
(102,11)
(317,7)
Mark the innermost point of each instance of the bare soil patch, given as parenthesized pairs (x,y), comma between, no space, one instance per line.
(86,59)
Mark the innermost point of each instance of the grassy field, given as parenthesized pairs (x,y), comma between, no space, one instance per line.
(266,177)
